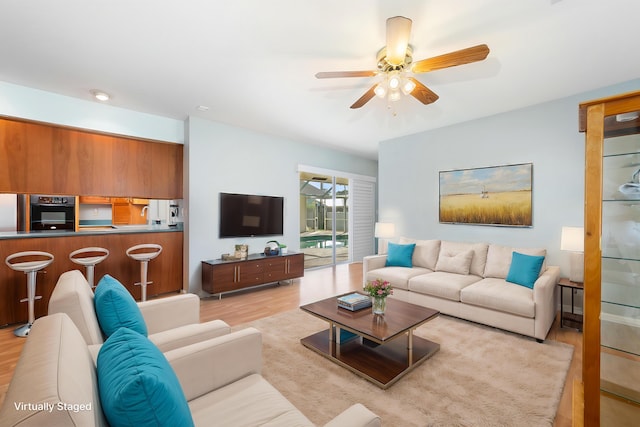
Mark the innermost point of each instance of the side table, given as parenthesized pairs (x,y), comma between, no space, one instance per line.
(572,320)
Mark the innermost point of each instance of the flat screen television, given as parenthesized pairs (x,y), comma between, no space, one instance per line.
(246,215)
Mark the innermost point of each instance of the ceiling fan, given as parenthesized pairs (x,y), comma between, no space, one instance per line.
(395,62)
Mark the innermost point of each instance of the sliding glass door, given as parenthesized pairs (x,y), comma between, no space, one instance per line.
(324,219)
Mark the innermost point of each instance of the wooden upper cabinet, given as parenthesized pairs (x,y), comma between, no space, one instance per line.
(42,158)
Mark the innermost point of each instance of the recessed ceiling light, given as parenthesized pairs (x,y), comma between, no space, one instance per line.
(202,108)
(100,95)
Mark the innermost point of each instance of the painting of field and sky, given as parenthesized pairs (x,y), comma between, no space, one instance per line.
(497,195)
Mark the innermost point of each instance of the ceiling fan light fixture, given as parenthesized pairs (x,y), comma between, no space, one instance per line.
(408,86)
(394,81)
(394,95)
(380,90)
(398,32)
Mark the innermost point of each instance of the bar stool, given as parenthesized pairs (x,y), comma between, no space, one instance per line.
(30,268)
(92,257)
(144,253)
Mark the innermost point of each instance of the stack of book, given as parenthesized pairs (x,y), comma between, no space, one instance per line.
(354,301)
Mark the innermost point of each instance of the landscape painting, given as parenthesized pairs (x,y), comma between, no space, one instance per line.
(497,195)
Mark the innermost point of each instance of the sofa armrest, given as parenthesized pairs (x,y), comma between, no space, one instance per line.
(355,416)
(209,365)
(544,297)
(171,312)
(189,334)
(372,262)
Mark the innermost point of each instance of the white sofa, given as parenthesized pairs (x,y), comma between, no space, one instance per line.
(55,383)
(171,322)
(467,280)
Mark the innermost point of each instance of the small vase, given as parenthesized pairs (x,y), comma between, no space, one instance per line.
(379,305)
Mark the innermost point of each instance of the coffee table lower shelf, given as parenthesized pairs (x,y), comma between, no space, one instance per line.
(382,364)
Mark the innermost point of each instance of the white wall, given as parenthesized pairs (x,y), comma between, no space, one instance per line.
(223,158)
(545,135)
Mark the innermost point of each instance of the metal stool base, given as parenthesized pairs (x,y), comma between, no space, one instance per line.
(23,330)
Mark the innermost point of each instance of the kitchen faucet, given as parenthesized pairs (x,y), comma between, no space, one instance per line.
(143,210)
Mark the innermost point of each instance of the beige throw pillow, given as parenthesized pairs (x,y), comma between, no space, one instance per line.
(459,263)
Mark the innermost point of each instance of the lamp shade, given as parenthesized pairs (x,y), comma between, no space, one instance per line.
(572,239)
(384,230)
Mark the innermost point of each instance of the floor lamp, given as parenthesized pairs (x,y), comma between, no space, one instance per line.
(572,240)
(384,231)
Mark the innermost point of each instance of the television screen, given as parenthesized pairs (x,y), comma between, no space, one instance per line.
(245,215)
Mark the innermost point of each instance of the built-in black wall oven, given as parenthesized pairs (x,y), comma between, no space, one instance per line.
(52,212)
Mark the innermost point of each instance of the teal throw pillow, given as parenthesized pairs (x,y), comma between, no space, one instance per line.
(116,308)
(399,255)
(137,386)
(524,269)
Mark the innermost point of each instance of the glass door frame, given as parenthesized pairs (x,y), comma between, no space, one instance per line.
(592,121)
(333,174)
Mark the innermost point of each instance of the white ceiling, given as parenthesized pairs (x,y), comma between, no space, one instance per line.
(252,62)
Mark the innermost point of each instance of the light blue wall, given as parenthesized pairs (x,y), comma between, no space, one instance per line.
(223,158)
(33,104)
(545,135)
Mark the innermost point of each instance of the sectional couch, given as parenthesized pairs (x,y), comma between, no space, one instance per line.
(505,287)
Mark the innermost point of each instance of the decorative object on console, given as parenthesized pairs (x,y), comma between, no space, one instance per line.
(496,195)
(379,290)
(241,251)
(572,240)
(384,231)
(272,248)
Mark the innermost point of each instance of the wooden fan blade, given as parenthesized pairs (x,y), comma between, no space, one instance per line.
(423,93)
(452,59)
(335,74)
(365,98)
(398,32)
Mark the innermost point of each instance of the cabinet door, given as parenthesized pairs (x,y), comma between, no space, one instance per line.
(121,214)
(275,269)
(95,200)
(250,273)
(295,266)
(219,278)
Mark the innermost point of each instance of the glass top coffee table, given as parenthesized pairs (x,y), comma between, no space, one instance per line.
(380,348)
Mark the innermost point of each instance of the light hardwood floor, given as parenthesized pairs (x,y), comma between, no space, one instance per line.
(317,284)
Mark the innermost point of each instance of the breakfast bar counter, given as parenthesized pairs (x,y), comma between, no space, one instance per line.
(165,271)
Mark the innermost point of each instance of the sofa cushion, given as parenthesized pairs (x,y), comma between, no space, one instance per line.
(524,269)
(400,255)
(458,263)
(137,385)
(441,284)
(73,295)
(116,308)
(425,253)
(228,406)
(479,254)
(397,276)
(498,294)
(499,259)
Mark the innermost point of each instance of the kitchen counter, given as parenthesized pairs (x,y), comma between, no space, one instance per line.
(91,230)
(166,272)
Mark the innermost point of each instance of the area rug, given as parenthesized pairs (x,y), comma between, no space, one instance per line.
(480,377)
